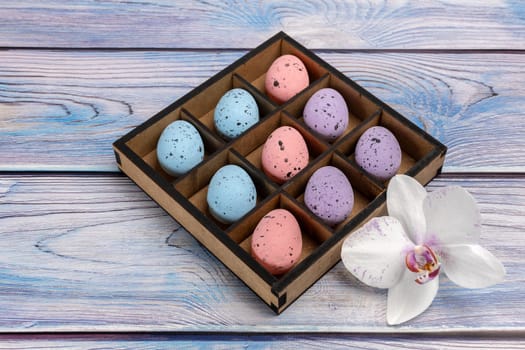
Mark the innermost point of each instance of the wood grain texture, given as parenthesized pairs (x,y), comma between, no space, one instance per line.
(361,24)
(61,110)
(94,253)
(259,342)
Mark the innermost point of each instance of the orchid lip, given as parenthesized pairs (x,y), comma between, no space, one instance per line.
(424,262)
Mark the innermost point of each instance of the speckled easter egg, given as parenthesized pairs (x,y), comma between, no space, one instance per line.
(326,113)
(378,153)
(284,154)
(285,78)
(235,113)
(329,195)
(277,242)
(231,194)
(180,148)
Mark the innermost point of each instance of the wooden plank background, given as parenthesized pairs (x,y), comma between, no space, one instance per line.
(288,342)
(330,24)
(84,250)
(95,253)
(87,99)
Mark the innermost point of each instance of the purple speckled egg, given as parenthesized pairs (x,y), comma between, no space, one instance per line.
(329,195)
(326,113)
(378,153)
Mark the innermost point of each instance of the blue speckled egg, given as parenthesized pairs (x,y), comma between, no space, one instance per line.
(231,194)
(179,148)
(235,113)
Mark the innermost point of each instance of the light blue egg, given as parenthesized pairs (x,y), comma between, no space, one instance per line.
(235,113)
(231,194)
(180,148)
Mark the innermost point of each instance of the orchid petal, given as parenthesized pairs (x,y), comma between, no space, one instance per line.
(375,253)
(453,215)
(408,299)
(405,202)
(471,266)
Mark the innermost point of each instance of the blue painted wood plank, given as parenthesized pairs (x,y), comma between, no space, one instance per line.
(205,341)
(61,110)
(94,253)
(243,24)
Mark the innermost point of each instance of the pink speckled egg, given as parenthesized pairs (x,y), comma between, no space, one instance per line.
(277,241)
(285,78)
(329,195)
(284,154)
(326,113)
(378,153)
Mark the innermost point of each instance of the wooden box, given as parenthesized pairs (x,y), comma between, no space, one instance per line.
(184,198)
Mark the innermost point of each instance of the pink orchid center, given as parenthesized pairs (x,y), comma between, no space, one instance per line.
(423,261)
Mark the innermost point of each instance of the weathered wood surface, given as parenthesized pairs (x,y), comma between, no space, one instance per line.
(90,252)
(284,342)
(94,253)
(243,24)
(61,110)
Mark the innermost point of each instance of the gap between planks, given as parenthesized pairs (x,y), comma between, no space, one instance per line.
(236,49)
(69,173)
(256,336)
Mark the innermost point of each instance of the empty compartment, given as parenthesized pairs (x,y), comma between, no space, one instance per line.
(360,107)
(364,189)
(251,143)
(195,185)
(413,143)
(254,69)
(313,233)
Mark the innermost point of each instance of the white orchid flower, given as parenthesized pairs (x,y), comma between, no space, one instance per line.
(424,235)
